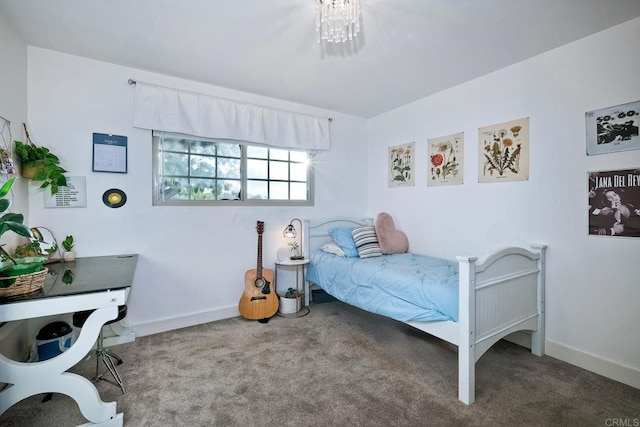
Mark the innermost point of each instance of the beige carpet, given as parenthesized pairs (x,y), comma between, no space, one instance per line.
(337,366)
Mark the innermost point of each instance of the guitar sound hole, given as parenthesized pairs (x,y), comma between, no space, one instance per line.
(259,283)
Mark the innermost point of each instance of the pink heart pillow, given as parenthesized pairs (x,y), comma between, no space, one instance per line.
(391,240)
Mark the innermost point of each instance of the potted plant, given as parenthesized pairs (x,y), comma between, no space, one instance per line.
(12,266)
(67,244)
(40,164)
(33,249)
(290,302)
(294,248)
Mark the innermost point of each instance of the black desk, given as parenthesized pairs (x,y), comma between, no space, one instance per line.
(100,283)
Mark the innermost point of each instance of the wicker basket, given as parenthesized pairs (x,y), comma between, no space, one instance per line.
(24,283)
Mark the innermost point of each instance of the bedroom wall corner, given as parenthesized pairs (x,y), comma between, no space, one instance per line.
(592,288)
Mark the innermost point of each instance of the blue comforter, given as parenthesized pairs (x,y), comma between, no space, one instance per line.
(404,286)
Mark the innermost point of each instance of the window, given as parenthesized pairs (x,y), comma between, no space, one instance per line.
(199,171)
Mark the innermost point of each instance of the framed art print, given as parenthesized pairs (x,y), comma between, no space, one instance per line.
(401,165)
(613,129)
(503,152)
(445,160)
(614,203)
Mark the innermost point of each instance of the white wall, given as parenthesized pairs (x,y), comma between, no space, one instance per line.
(13,107)
(192,259)
(593,285)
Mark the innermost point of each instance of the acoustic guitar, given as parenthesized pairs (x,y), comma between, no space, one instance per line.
(259,300)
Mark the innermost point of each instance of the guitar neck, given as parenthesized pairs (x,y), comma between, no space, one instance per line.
(259,264)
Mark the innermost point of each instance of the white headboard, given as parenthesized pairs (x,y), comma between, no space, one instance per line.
(317,231)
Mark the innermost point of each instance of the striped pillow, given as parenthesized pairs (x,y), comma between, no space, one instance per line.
(366,241)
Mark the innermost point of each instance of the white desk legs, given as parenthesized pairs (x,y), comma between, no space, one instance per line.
(49,376)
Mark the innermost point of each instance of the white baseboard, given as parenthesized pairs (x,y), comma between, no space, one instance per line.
(116,334)
(605,367)
(172,323)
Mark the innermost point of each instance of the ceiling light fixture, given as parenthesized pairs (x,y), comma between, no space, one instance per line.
(337,20)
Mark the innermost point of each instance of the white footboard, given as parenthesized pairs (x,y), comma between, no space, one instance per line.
(499,295)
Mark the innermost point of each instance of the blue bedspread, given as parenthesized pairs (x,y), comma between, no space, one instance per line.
(404,286)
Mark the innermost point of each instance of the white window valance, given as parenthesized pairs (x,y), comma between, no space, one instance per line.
(170,110)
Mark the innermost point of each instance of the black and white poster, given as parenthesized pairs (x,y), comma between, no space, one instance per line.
(614,203)
(613,129)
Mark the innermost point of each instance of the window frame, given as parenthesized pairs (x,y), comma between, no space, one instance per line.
(243,201)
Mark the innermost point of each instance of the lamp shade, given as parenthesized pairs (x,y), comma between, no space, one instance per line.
(290,231)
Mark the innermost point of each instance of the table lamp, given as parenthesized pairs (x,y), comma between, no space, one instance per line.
(290,232)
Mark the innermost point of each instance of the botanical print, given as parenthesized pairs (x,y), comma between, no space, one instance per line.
(504,151)
(445,160)
(401,165)
(614,203)
(613,129)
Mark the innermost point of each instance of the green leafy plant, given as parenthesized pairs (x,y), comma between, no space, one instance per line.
(10,221)
(33,249)
(68,243)
(11,267)
(67,277)
(292,293)
(45,165)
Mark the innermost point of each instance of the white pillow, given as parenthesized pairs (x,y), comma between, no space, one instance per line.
(333,248)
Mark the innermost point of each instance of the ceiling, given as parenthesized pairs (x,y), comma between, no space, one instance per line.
(406,50)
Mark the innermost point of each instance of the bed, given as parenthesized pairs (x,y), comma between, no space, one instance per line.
(493,297)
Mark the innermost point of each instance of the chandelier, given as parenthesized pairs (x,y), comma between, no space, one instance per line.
(337,20)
